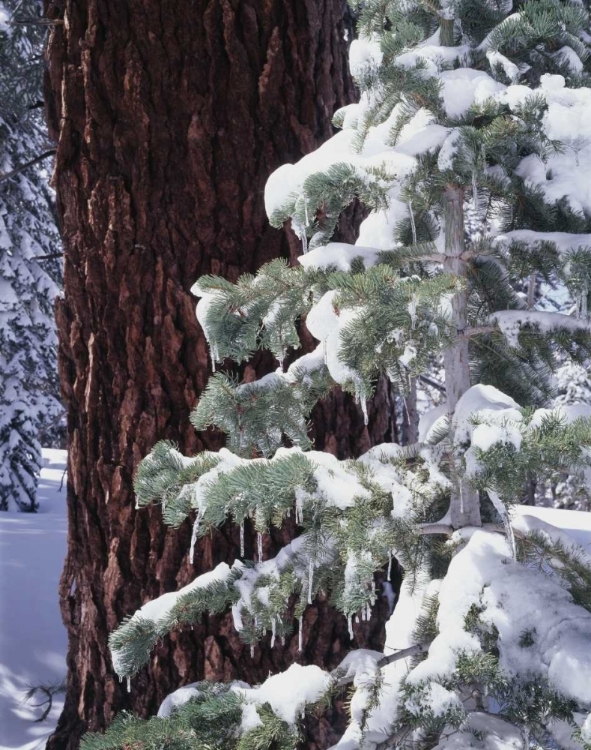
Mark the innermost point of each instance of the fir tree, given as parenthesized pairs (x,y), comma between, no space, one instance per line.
(29,264)
(463,149)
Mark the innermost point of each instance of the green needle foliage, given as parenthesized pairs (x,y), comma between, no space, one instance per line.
(460,149)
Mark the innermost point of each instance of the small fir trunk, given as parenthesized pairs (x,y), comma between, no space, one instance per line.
(465,504)
(410,418)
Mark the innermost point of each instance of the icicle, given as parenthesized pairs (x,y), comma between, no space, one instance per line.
(363,402)
(368,612)
(583,304)
(252,650)
(129,684)
(260,546)
(288,514)
(242,539)
(310,580)
(299,509)
(413,226)
(214,356)
(363,614)
(475,193)
(350,625)
(273,631)
(300,633)
(194,536)
(283,640)
(389,566)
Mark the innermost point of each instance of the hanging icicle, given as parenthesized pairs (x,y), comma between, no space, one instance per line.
(300,633)
(242,539)
(194,536)
(129,684)
(252,650)
(413,226)
(363,403)
(388,575)
(583,305)
(260,546)
(350,626)
(310,580)
(273,631)
(299,509)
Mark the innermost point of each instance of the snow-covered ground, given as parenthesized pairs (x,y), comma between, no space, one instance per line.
(32,637)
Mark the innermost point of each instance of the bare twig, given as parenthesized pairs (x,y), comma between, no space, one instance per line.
(52,256)
(448,530)
(433,383)
(478,331)
(404,653)
(27,164)
(34,21)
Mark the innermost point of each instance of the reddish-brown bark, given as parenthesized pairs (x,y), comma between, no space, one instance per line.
(168,119)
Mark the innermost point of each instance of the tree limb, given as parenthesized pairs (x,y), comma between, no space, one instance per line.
(404,653)
(36,22)
(477,331)
(52,256)
(433,383)
(27,164)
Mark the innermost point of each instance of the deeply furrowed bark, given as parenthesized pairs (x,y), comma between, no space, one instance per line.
(168,119)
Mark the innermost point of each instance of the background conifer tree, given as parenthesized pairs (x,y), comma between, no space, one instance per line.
(465,147)
(30,264)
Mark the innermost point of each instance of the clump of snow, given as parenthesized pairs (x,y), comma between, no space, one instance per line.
(435,699)
(511,322)
(496,58)
(484,575)
(448,150)
(289,692)
(488,403)
(339,255)
(364,54)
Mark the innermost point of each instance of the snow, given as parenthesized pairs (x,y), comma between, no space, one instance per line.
(507,593)
(486,401)
(158,609)
(32,636)
(364,54)
(339,255)
(288,692)
(511,322)
(495,58)
(565,242)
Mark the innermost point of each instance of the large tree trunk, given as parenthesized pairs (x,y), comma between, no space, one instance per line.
(169,118)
